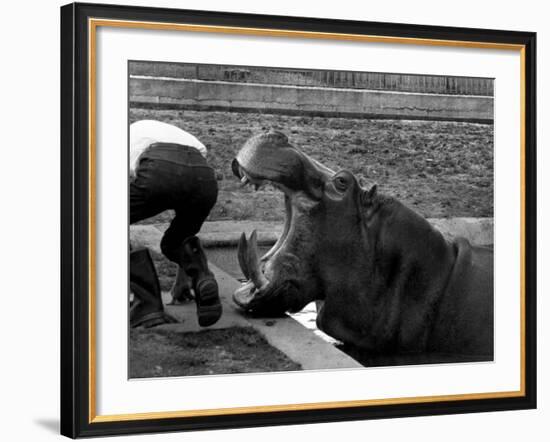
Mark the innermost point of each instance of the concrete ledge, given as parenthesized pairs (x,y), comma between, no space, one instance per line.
(210,95)
(479,231)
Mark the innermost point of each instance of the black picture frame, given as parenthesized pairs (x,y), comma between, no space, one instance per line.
(76,418)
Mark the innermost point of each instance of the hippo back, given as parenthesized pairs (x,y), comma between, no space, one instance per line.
(465,312)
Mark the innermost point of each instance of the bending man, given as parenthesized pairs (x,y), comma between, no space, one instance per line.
(168,170)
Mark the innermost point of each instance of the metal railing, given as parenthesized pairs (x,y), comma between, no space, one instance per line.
(429,84)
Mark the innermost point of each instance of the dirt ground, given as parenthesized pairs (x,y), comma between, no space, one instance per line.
(161,353)
(440,169)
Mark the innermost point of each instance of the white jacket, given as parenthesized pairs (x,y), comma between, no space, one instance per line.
(146,132)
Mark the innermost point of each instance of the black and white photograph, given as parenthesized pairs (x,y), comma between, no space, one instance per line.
(286,219)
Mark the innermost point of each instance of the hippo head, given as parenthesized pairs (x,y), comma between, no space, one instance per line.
(324,212)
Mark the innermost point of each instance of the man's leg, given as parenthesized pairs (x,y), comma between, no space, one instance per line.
(180,245)
(170,245)
(147,309)
(209,308)
(181,289)
(145,200)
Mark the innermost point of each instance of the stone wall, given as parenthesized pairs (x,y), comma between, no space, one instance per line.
(306,100)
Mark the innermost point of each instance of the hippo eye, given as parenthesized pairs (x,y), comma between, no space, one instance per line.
(340,183)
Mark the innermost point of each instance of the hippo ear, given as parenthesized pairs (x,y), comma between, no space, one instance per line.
(373,190)
(367,196)
(276,138)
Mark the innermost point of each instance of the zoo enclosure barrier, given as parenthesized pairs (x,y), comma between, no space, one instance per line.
(426,84)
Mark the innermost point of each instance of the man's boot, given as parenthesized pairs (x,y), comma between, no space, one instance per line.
(195,264)
(147,309)
(181,289)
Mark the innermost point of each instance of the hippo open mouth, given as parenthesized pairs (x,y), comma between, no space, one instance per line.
(283,279)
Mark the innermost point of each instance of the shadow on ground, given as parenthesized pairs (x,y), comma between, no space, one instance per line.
(51,425)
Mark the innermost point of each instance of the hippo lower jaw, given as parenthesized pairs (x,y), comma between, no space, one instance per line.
(266,301)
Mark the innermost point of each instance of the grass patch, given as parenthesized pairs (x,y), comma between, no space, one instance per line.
(160,352)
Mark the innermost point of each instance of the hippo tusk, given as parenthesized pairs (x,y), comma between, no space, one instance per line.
(242,254)
(253,263)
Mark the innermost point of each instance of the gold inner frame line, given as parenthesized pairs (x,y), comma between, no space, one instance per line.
(93,24)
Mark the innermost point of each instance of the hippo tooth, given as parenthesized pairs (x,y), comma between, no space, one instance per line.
(242,254)
(244,179)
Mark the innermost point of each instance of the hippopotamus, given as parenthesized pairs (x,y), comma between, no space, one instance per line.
(386,281)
